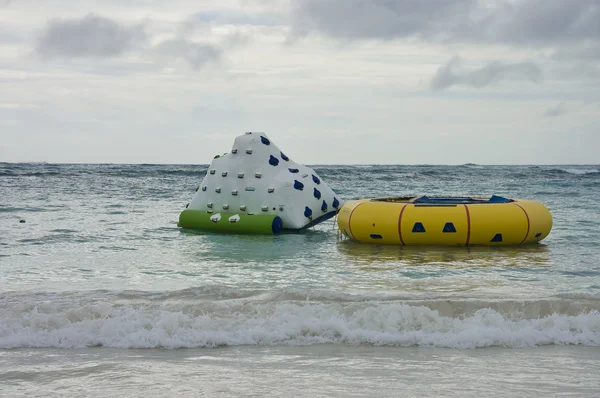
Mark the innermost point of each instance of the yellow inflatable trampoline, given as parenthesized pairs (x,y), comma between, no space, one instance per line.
(445,221)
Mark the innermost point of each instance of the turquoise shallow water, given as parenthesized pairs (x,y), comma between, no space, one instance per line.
(99,270)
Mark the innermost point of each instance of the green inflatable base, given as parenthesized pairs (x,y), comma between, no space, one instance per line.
(230,222)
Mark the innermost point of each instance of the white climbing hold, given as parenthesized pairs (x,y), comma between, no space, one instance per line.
(235,218)
(215,217)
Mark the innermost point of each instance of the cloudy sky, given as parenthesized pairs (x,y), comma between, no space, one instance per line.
(329,81)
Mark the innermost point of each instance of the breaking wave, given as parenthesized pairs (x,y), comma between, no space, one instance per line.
(574,171)
(193,318)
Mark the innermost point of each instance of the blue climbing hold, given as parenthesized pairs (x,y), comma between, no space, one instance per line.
(316,179)
(317,193)
(284,157)
(336,203)
(324,206)
(265,140)
(277,225)
(273,161)
(298,185)
(307,212)
(293,170)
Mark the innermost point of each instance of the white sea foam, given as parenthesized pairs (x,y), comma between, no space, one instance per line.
(239,322)
(580,171)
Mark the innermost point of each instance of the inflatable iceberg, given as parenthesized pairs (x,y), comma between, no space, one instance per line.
(256,188)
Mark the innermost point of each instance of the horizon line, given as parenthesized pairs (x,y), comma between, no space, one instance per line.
(310,164)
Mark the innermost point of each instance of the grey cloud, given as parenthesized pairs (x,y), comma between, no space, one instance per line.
(235,17)
(197,54)
(546,21)
(235,40)
(557,110)
(525,22)
(582,52)
(90,36)
(378,19)
(454,74)
(95,36)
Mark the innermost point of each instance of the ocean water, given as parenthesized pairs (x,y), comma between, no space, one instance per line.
(101,294)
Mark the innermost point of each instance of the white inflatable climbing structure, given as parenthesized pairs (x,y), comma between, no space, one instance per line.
(256,188)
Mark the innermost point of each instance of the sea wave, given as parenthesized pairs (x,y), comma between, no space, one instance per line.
(10,209)
(192,319)
(6,172)
(574,171)
(124,171)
